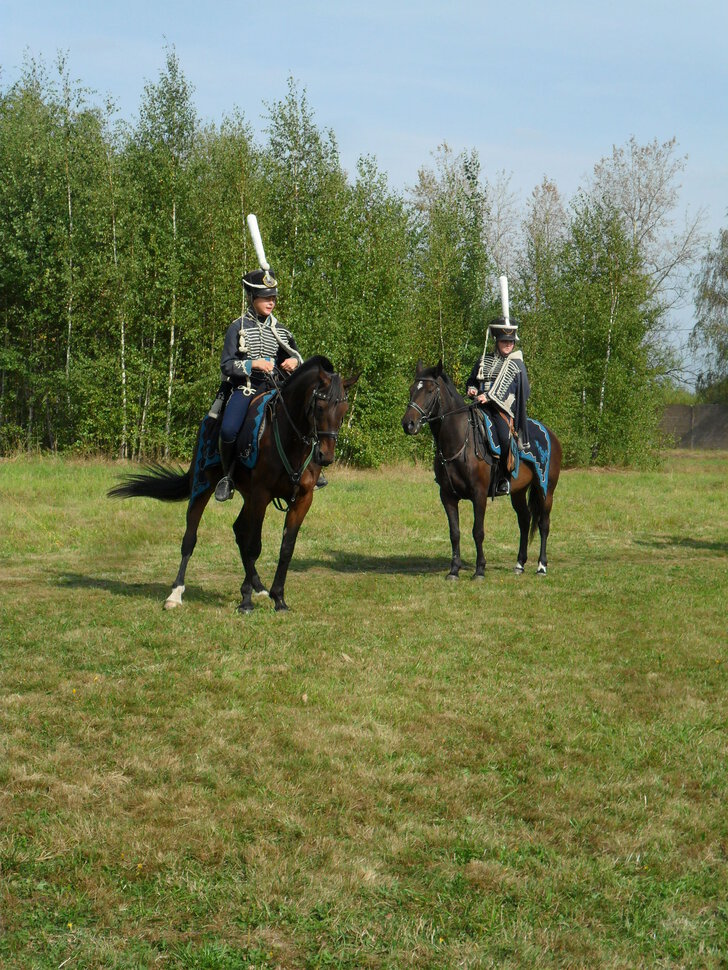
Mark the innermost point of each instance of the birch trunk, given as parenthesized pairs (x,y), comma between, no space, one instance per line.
(124,446)
(172,327)
(69,303)
(614,302)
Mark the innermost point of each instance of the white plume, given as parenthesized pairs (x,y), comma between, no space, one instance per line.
(504,296)
(257,241)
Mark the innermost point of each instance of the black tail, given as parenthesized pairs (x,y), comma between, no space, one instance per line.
(535,507)
(157,482)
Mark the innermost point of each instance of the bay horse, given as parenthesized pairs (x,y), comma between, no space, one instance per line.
(297,440)
(462,473)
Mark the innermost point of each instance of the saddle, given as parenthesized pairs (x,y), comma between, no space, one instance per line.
(208,454)
(253,428)
(485,436)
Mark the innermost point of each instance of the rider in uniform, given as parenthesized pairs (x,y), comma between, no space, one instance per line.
(499,383)
(254,345)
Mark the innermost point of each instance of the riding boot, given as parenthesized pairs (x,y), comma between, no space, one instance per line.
(225,488)
(322,481)
(503,485)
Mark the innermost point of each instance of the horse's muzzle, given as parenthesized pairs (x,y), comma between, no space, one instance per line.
(411,425)
(320,456)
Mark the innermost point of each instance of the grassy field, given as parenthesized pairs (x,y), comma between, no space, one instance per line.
(400,772)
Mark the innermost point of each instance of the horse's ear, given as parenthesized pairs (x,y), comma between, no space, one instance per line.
(351,381)
(420,367)
(438,369)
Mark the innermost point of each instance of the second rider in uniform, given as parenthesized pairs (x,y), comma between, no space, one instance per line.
(499,382)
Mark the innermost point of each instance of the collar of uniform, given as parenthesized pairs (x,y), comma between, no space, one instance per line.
(254,318)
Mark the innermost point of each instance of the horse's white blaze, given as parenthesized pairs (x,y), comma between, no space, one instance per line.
(175,598)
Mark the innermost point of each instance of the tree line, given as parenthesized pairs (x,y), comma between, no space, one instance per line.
(122,246)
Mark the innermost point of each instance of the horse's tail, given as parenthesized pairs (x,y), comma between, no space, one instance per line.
(157,482)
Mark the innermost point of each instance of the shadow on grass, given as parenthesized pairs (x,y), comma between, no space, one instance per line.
(686,542)
(342,561)
(156,592)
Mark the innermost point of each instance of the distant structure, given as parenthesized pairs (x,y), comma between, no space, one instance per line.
(697,426)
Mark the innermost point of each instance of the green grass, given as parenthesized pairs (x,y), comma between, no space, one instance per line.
(400,772)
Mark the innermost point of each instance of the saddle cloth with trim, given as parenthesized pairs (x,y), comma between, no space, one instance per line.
(538,454)
(208,455)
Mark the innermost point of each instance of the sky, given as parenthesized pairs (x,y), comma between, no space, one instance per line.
(538,89)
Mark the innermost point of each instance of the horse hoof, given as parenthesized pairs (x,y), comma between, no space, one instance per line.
(452,576)
(479,576)
(541,571)
(281,608)
(244,608)
(519,569)
(175,598)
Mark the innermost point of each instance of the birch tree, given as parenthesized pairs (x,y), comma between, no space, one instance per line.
(641,184)
(709,339)
(162,144)
(451,264)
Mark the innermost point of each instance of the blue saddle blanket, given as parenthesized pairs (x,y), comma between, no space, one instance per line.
(250,433)
(538,454)
(208,455)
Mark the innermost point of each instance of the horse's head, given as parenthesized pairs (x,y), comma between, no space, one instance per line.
(327,403)
(424,398)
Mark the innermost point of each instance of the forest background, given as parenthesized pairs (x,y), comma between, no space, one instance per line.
(122,248)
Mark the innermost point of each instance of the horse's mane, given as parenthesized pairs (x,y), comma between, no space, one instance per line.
(432,372)
(303,372)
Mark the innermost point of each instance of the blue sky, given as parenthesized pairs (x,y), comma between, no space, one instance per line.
(536,88)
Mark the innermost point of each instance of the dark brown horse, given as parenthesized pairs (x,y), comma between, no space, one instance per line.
(298,439)
(462,472)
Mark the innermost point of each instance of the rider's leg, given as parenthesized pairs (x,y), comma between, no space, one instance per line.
(503,484)
(232,421)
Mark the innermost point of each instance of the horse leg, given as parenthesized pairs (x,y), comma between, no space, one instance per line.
(294,517)
(544,527)
(248,529)
(451,507)
(189,541)
(479,503)
(519,501)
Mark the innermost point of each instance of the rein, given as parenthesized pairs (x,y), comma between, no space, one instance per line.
(429,415)
(310,441)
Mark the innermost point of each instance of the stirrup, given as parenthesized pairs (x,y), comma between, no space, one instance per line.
(503,487)
(224,489)
(322,481)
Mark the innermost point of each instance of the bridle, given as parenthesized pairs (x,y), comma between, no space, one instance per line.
(433,413)
(318,395)
(427,415)
(310,440)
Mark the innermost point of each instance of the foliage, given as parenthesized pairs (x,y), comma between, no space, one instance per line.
(122,247)
(710,334)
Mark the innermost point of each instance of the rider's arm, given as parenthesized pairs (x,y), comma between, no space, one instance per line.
(525,384)
(234,362)
(284,354)
(474,385)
